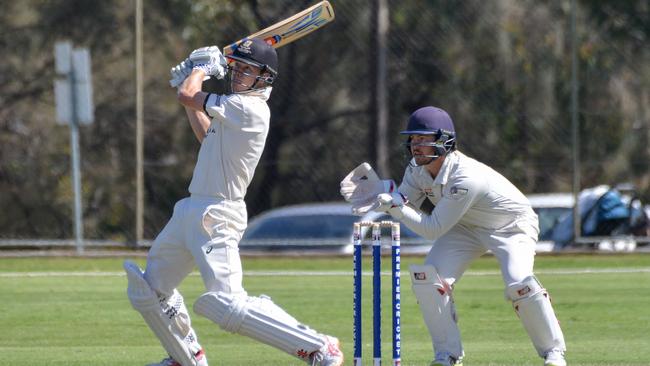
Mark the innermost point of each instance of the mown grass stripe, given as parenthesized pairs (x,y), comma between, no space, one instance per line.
(254,273)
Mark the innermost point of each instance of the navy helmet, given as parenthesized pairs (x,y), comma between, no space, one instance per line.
(432,121)
(257,52)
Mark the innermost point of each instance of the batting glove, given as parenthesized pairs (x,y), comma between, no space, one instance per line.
(180,72)
(210,61)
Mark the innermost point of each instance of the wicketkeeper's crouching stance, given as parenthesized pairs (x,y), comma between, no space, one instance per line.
(467,208)
(206,227)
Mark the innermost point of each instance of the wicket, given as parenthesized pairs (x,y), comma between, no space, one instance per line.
(376,290)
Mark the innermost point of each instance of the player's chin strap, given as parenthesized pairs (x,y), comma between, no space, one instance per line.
(441,148)
(413,163)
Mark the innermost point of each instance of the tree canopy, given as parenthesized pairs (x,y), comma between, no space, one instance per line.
(501,68)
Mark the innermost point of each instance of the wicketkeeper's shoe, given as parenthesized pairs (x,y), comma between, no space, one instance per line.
(445,359)
(200,357)
(328,355)
(554,358)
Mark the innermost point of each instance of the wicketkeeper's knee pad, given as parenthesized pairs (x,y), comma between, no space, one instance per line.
(437,306)
(167,317)
(533,306)
(261,319)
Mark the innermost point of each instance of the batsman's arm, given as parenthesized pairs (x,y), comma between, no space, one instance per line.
(199,122)
(190,94)
(193,99)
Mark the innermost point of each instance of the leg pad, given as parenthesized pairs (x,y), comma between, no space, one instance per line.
(167,317)
(261,319)
(437,306)
(533,305)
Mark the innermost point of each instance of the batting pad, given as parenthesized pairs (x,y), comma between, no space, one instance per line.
(167,317)
(533,305)
(438,309)
(259,318)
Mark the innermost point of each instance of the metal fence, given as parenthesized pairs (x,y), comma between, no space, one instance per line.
(503,69)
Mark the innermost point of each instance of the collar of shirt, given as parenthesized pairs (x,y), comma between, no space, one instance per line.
(262,93)
(450,161)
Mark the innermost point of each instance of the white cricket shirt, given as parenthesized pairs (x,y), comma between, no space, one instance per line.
(466,192)
(233,144)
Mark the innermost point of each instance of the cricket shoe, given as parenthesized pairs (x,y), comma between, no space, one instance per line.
(201,360)
(166,362)
(445,359)
(328,355)
(554,358)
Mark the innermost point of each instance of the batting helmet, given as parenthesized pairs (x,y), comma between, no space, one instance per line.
(258,53)
(432,121)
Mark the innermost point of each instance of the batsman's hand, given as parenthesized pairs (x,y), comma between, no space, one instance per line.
(210,60)
(180,72)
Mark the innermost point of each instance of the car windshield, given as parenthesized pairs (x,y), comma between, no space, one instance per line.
(548,218)
(304,226)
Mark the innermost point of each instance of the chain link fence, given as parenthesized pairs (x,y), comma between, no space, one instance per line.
(501,68)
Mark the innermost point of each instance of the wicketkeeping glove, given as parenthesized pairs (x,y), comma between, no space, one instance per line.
(366,189)
(363,184)
(210,60)
(387,201)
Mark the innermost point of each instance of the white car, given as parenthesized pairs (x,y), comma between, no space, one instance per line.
(550,209)
(328,227)
(321,226)
(555,211)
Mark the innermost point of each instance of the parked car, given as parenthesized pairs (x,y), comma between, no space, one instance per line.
(328,226)
(608,212)
(551,208)
(321,226)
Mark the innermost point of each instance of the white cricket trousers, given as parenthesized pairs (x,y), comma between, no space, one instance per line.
(513,247)
(204,231)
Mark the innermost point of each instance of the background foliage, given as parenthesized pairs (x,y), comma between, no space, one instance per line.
(501,68)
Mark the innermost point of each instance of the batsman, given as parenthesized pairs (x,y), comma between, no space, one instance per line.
(206,227)
(467,209)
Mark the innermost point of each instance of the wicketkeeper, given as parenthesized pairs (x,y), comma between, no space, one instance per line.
(467,208)
(206,227)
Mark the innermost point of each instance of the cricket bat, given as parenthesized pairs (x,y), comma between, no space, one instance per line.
(293,28)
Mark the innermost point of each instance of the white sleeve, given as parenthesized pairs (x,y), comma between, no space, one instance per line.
(227,109)
(458,197)
(212,105)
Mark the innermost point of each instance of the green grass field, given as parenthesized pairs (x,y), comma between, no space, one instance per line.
(74,311)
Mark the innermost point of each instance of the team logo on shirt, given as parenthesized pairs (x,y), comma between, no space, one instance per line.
(420,276)
(458,192)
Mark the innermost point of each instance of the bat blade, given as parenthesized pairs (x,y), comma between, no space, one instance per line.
(293,28)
